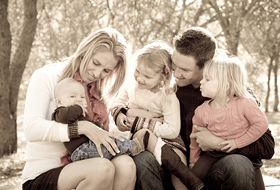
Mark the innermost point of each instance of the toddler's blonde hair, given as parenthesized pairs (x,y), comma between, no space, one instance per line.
(231,75)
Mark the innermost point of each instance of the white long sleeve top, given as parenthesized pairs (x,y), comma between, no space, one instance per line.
(134,97)
(44,136)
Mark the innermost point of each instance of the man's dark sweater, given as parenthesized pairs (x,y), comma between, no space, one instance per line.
(190,98)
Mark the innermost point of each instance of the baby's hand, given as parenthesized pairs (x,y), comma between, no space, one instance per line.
(191,165)
(85,111)
(84,107)
(228,145)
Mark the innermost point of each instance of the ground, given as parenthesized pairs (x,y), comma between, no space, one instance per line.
(11,166)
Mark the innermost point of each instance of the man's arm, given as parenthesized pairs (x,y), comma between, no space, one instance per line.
(263,148)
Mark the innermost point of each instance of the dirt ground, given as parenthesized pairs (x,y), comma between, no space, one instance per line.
(11,166)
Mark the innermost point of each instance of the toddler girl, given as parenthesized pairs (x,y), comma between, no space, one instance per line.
(231,112)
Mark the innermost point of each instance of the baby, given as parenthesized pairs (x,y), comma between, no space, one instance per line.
(71,107)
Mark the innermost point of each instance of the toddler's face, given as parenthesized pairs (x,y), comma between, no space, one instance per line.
(74,94)
(209,86)
(146,78)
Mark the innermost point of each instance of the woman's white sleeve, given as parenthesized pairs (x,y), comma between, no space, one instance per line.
(39,105)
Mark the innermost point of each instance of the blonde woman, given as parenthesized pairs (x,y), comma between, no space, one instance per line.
(99,64)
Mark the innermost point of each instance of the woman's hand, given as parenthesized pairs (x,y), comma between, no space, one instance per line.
(206,140)
(99,136)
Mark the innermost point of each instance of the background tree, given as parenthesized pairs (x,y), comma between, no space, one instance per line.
(231,15)
(11,69)
(263,44)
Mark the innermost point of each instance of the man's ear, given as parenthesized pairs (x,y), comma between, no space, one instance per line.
(57,102)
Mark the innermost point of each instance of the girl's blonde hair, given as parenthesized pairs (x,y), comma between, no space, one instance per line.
(231,75)
(157,56)
(107,39)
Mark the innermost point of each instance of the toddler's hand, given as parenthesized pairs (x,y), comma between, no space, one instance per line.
(121,122)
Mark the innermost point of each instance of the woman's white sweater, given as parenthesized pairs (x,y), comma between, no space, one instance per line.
(44,136)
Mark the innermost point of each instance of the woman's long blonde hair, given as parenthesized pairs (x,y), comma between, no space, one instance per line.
(107,39)
(231,75)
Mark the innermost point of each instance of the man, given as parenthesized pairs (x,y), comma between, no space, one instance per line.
(191,50)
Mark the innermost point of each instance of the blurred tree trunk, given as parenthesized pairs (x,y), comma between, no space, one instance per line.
(268,84)
(275,70)
(11,70)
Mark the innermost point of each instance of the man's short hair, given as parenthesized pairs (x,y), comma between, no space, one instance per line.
(197,42)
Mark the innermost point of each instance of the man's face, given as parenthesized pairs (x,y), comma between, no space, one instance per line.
(185,70)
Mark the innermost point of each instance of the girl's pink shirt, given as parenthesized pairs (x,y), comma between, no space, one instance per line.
(241,119)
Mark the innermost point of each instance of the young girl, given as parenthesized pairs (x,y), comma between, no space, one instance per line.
(151,92)
(231,112)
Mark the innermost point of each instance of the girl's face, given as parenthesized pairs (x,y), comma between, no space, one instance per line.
(146,78)
(100,66)
(209,86)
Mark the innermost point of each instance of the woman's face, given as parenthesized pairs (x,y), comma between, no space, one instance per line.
(99,67)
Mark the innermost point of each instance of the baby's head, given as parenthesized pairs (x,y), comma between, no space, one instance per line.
(69,92)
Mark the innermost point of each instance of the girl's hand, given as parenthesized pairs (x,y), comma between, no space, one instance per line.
(99,136)
(142,113)
(121,122)
(129,122)
(228,145)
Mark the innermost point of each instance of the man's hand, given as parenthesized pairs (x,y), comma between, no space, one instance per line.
(206,140)
(228,145)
